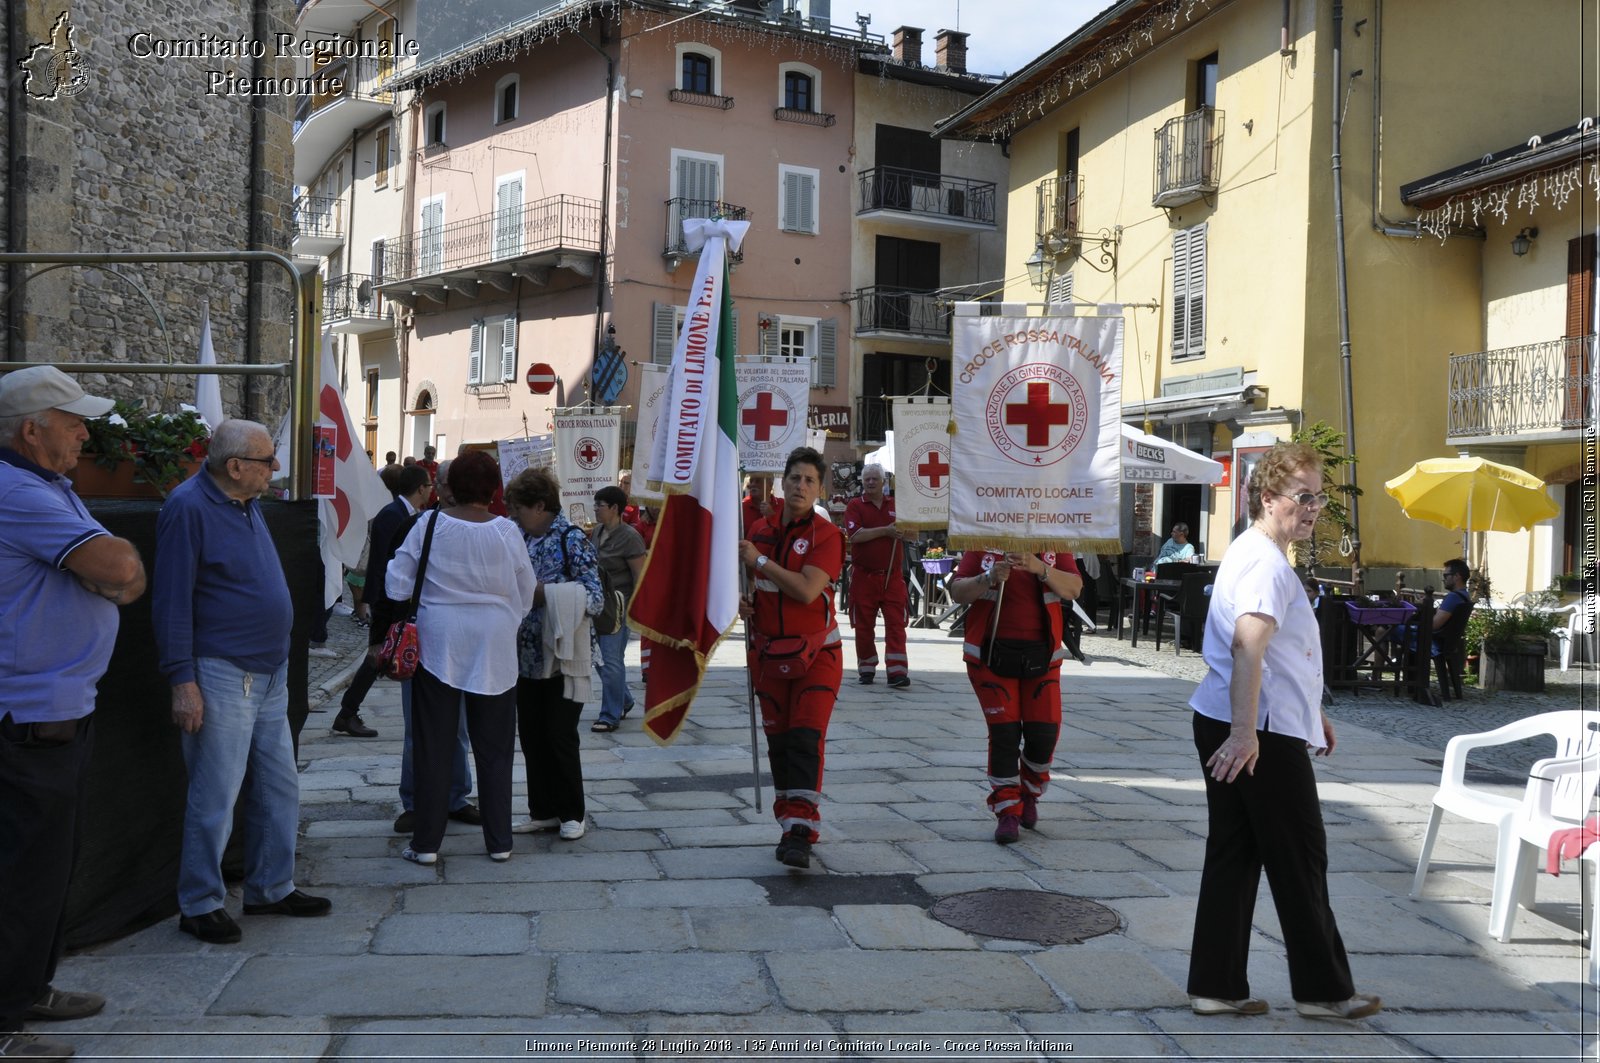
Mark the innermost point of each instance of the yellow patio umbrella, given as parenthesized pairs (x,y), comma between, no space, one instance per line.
(1472,494)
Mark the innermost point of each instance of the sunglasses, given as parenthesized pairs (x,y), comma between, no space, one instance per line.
(1306,498)
(262,461)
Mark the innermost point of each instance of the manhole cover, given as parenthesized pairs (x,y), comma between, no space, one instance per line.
(1026,915)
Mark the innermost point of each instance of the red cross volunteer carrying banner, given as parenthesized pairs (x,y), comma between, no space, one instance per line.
(1034,474)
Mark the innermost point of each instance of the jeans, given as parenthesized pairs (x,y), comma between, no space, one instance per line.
(460,767)
(615,699)
(243,743)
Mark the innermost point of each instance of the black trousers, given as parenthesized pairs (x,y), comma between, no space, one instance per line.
(367,674)
(435,723)
(1270,820)
(547,727)
(43,798)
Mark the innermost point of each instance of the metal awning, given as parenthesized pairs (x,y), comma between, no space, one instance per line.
(1217,404)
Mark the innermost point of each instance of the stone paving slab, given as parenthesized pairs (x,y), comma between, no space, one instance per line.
(1116,980)
(793,928)
(722,983)
(905,981)
(898,926)
(463,934)
(619,930)
(389,986)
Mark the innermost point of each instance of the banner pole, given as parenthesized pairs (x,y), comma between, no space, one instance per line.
(750,691)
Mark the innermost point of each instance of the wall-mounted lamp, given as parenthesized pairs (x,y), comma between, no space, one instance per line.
(1038,270)
(1523,240)
(673,261)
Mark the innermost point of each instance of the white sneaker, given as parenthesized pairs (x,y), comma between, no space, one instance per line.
(419,858)
(571,829)
(1357,1007)
(322,651)
(529,826)
(500,858)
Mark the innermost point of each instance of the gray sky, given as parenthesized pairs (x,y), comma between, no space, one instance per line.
(1006,34)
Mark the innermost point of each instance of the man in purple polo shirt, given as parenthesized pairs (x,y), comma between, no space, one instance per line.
(222,616)
(62,577)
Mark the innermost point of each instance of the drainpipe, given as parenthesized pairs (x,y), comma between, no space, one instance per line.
(1344,302)
(605,204)
(16,196)
(405,314)
(252,303)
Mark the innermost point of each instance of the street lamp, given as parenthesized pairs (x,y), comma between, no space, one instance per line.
(1522,241)
(1038,272)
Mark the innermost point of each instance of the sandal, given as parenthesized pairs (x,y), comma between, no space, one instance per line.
(602,726)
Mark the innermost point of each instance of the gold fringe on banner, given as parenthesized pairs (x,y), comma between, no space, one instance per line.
(920,526)
(1019,545)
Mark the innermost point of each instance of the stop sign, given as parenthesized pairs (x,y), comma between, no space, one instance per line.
(541,378)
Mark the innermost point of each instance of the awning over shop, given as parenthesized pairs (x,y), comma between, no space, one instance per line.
(1146,459)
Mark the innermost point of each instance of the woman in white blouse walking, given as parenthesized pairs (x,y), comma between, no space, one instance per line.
(477,586)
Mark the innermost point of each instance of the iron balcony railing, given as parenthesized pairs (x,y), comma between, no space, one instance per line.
(1541,388)
(353,295)
(318,216)
(1188,157)
(557,223)
(1057,202)
(872,419)
(345,79)
(792,114)
(680,209)
(885,309)
(917,192)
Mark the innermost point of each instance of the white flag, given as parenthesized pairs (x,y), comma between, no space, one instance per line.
(921,462)
(358,490)
(1038,407)
(653,388)
(207,386)
(588,456)
(773,394)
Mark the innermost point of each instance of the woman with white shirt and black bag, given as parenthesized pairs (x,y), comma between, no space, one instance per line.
(476,585)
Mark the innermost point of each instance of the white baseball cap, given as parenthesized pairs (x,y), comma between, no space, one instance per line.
(44,387)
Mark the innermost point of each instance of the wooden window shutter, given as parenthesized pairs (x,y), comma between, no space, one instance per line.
(827,352)
(1580,323)
(1180,292)
(1196,331)
(508,348)
(663,332)
(475,354)
(734,330)
(1061,288)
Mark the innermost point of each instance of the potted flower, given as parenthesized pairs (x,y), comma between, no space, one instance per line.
(1515,642)
(134,454)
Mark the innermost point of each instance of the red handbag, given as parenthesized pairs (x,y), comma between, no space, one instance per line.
(402,649)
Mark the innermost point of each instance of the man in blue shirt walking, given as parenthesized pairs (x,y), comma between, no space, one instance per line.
(222,617)
(62,577)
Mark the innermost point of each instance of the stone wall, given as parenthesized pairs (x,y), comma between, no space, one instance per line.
(128,153)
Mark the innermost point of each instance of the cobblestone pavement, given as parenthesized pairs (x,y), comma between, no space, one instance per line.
(668,931)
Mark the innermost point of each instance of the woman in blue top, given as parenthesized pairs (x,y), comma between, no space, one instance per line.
(549,703)
(1257,713)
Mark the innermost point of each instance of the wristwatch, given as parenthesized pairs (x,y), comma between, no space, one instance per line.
(990,576)
(761,561)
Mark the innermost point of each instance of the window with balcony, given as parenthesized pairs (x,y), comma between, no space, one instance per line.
(1189,293)
(799,87)
(505,98)
(698,73)
(508,216)
(430,236)
(797,200)
(433,125)
(905,297)
(884,375)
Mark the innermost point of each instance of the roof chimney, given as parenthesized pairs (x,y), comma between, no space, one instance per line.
(908,45)
(950,49)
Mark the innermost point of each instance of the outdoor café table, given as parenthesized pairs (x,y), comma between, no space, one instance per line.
(1143,594)
(935,569)
(1376,622)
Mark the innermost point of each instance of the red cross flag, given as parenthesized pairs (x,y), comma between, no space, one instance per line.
(1038,410)
(773,400)
(588,446)
(921,462)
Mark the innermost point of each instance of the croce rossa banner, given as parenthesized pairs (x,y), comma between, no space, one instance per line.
(1037,403)
(773,393)
(921,462)
(588,447)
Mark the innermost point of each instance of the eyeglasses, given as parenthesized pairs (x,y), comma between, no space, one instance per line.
(1306,498)
(260,461)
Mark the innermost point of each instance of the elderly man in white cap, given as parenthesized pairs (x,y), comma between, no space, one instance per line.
(62,577)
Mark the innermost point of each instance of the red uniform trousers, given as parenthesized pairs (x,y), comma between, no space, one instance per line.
(794,715)
(869,594)
(1024,718)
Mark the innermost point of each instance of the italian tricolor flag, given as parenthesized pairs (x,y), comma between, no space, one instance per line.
(688,595)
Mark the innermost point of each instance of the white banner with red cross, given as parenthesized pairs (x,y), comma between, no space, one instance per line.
(921,462)
(773,401)
(588,456)
(1038,413)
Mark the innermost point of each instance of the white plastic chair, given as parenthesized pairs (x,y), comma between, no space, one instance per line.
(1564,635)
(1573,736)
(1559,793)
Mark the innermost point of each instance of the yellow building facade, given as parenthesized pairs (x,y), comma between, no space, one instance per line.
(1180,154)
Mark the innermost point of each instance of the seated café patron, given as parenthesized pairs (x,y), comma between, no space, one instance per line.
(1177,548)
